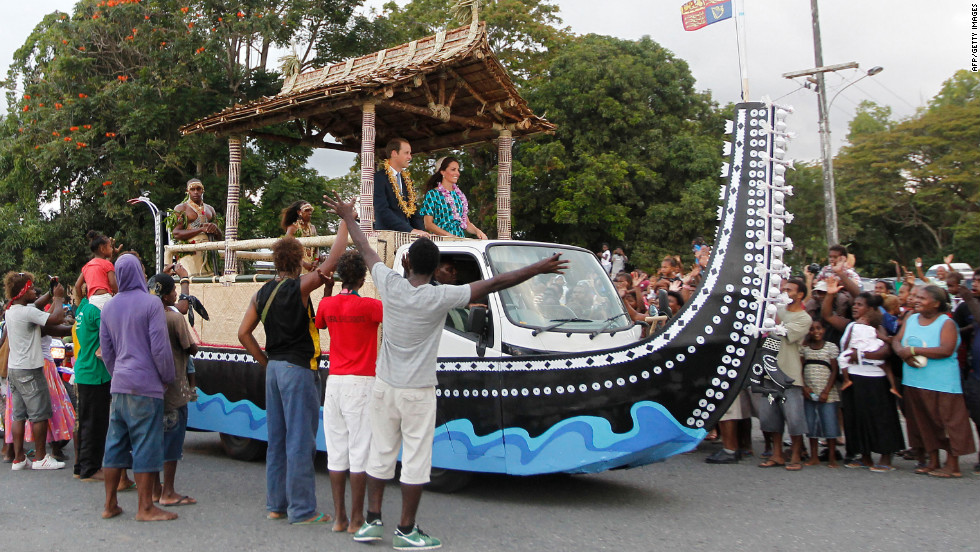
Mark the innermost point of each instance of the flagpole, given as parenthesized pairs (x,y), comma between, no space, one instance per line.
(743,66)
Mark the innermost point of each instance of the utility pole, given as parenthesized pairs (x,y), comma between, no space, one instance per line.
(826,153)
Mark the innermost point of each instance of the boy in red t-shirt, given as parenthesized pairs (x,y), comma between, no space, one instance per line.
(353,322)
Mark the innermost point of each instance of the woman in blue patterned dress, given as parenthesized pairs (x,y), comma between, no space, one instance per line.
(445,209)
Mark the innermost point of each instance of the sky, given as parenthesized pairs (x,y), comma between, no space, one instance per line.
(919,45)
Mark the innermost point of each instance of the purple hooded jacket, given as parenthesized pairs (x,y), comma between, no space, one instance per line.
(134,339)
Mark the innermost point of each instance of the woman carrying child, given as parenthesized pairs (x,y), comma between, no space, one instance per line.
(820,395)
(870,417)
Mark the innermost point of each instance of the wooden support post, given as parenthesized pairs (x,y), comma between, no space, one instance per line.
(367,166)
(231,209)
(503,184)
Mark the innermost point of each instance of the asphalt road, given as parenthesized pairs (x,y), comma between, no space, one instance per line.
(681,504)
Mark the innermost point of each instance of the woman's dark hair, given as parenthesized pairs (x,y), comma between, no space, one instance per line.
(436,178)
(677,297)
(287,254)
(838,248)
(291,214)
(873,300)
(673,261)
(423,255)
(623,275)
(351,268)
(96,240)
(940,295)
(889,288)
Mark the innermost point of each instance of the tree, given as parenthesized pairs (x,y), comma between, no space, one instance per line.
(635,158)
(104,91)
(913,188)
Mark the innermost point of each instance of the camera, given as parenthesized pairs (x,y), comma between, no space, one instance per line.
(813,269)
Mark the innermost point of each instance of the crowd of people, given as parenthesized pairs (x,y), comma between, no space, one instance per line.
(857,362)
(861,361)
(134,374)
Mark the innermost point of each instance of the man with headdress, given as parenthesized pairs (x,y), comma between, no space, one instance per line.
(194,225)
(395,200)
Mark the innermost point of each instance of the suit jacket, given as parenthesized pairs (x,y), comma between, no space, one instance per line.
(387,214)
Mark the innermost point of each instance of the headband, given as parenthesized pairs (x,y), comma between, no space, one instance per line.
(23,292)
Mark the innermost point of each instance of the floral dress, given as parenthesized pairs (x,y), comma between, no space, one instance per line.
(441,212)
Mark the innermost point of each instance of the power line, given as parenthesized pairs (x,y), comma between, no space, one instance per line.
(903,100)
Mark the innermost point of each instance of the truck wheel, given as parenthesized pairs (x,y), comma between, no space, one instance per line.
(442,480)
(242,448)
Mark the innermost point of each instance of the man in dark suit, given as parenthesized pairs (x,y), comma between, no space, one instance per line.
(396,210)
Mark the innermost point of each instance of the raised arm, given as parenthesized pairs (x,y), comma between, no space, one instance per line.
(312,280)
(551,265)
(346,212)
(827,309)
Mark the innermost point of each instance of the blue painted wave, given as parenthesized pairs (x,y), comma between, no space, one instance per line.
(583,444)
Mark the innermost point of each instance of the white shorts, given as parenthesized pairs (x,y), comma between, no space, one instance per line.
(402,419)
(347,422)
(740,409)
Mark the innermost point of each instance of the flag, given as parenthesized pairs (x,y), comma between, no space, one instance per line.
(700,13)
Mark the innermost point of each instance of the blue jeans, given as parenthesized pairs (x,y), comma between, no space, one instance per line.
(292,413)
(821,419)
(135,437)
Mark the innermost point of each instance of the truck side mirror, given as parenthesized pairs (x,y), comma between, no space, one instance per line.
(478,325)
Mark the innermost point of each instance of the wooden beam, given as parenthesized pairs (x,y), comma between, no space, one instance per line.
(466,85)
(455,140)
(245,123)
(302,142)
(467,121)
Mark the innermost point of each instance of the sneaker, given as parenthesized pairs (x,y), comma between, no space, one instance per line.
(416,540)
(25,464)
(370,532)
(722,457)
(976,469)
(47,463)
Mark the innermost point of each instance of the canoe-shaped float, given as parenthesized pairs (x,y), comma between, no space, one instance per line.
(584,401)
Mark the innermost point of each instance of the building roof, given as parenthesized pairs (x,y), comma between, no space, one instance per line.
(446,90)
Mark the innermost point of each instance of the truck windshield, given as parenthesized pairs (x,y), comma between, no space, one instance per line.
(583,297)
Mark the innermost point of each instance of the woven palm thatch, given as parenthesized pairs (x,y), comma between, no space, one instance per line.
(445,90)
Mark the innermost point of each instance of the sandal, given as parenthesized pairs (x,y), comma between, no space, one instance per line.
(854,464)
(945,474)
(881,468)
(794,466)
(771,464)
(319,519)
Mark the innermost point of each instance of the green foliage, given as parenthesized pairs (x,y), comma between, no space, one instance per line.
(96,98)
(913,188)
(635,157)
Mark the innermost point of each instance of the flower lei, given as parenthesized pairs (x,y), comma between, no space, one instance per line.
(463,218)
(407,208)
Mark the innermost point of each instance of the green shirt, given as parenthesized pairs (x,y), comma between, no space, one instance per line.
(89,369)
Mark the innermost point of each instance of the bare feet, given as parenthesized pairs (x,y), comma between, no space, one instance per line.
(340,525)
(833,464)
(111,512)
(176,500)
(155,514)
(126,484)
(355,524)
(813,461)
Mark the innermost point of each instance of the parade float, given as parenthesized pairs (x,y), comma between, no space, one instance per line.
(525,391)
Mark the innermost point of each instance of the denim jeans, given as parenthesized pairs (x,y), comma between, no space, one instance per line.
(292,414)
(135,438)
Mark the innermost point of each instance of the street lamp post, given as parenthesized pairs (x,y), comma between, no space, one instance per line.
(827,154)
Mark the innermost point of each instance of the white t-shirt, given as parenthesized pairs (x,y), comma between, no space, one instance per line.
(413,322)
(24,333)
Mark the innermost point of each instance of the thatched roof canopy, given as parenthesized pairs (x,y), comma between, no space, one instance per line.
(447,90)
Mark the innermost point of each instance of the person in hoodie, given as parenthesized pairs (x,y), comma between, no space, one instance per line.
(136,350)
